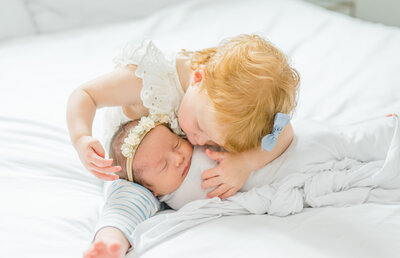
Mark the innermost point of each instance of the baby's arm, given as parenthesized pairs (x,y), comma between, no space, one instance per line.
(120,87)
(234,168)
(127,205)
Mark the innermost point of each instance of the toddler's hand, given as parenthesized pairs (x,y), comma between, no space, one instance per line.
(91,154)
(229,175)
(100,250)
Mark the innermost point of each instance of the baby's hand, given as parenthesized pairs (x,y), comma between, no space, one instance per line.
(229,175)
(91,154)
(100,250)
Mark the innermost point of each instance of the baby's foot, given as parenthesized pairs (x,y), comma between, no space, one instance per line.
(392,115)
(101,250)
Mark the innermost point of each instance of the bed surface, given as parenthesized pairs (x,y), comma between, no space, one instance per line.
(50,203)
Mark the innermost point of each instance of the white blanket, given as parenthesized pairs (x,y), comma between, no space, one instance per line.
(324,166)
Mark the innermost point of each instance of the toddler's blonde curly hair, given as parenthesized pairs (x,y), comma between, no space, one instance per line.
(248,81)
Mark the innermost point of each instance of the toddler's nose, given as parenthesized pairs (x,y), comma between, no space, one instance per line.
(192,140)
(199,140)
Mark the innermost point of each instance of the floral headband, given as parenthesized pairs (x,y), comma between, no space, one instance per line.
(135,137)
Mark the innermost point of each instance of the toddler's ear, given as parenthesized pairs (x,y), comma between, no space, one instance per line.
(197,77)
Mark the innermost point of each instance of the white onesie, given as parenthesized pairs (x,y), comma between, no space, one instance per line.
(191,190)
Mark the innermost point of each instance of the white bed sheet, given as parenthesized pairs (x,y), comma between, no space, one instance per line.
(363,231)
(50,204)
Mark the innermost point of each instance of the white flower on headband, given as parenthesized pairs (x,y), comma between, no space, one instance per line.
(147,123)
(132,141)
(127,150)
(138,130)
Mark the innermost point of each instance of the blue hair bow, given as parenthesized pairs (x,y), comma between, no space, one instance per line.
(268,141)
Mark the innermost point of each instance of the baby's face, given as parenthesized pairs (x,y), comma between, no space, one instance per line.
(163,159)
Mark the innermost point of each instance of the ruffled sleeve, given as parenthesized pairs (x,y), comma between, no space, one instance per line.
(161,92)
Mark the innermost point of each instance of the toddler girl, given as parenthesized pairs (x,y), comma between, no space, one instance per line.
(227,96)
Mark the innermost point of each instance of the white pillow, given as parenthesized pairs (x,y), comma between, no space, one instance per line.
(55,15)
(15,19)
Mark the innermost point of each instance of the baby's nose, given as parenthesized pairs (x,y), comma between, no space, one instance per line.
(178,160)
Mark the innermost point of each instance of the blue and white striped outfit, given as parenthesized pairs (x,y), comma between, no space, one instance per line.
(127,204)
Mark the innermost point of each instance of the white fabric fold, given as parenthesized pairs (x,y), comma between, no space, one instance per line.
(324,166)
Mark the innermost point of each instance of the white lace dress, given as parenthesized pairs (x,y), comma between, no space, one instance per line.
(162,92)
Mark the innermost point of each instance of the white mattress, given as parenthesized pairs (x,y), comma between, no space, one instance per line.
(349,71)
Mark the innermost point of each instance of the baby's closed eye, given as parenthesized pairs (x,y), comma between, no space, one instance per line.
(177,144)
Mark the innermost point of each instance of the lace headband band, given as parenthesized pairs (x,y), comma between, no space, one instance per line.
(135,137)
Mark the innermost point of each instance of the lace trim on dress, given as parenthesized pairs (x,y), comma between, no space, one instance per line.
(160,92)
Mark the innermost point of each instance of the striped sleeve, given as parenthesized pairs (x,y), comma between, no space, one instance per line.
(127,204)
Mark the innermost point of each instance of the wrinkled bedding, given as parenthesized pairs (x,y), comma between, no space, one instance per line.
(325,166)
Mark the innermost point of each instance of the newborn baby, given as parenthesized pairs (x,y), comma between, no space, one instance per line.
(170,167)
(164,163)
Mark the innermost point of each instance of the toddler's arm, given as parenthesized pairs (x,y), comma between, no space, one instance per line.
(257,158)
(120,87)
(234,168)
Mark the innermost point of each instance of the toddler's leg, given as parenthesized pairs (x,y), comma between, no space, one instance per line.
(364,141)
(369,140)
(320,142)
